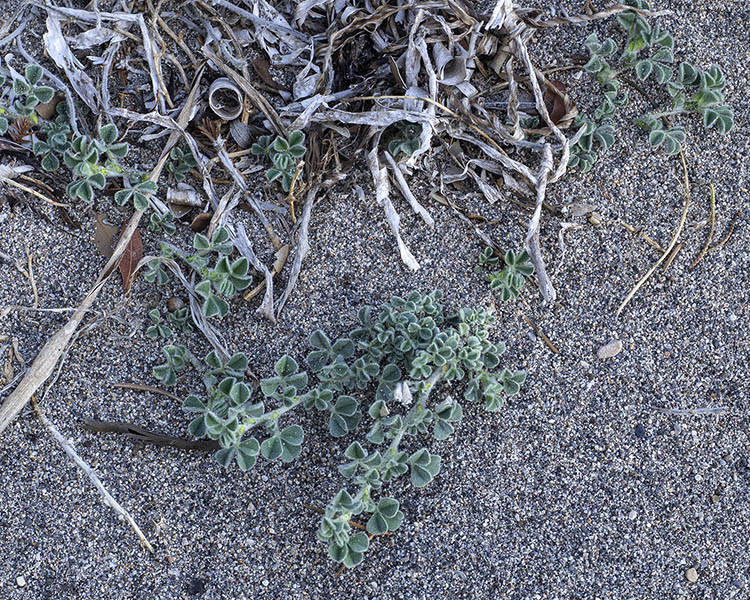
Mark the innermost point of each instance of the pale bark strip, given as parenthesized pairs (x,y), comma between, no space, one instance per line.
(532,237)
(108,499)
(303,247)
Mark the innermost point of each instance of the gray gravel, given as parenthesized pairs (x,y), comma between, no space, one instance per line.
(579,489)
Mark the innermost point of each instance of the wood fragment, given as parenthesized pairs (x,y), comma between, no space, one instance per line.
(638,231)
(146,436)
(108,499)
(32,191)
(673,255)
(712,224)
(710,410)
(538,332)
(32,281)
(732,225)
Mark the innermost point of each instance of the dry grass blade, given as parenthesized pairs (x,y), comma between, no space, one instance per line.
(532,237)
(672,244)
(711,226)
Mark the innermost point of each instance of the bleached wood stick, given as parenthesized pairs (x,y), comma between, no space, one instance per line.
(108,499)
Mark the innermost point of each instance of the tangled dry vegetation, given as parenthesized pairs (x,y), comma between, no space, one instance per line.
(310,88)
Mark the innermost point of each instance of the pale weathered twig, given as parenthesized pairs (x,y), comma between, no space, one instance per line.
(303,247)
(108,499)
(711,410)
(532,237)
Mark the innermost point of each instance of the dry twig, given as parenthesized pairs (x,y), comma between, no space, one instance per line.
(108,499)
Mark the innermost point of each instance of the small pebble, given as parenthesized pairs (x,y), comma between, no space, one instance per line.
(692,575)
(197,586)
(595,219)
(21,581)
(174,304)
(265,583)
(610,350)
(632,515)
(640,431)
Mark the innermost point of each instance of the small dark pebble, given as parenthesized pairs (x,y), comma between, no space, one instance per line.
(197,586)
(640,431)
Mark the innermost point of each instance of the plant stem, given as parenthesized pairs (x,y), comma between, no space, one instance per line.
(269,416)
(420,405)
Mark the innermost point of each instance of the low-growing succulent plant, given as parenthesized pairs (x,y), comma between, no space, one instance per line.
(284,155)
(406,139)
(397,357)
(83,159)
(26,94)
(509,280)
(180,162)
(157,329)
(140,190)
(690,89)
(221,281)
(162,223)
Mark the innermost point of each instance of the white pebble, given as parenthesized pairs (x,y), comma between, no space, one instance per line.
(20,581)
(610,350)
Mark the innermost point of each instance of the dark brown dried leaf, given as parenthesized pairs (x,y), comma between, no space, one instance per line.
(133,253)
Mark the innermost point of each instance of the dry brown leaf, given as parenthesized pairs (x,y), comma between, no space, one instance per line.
(133,253)
(262,67)
(201,221)
(47,110)
(554,100)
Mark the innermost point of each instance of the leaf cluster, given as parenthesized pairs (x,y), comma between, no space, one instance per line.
(25,95)
(284,155)
(396,356)
(406,139)
(218,282)
(93,160)
(180,162)
(509,280)
(648,53)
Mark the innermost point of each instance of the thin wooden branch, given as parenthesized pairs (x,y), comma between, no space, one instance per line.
(108,499)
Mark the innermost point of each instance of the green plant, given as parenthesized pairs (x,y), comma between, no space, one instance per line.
(57,134)
(140,191)
(180,163)
(690,89)
(406,138)
(162,223)
(82,158)
(26,95)
(512,277)
(284,155)
(397,356)
(180,319)
(222,280)
(157,329)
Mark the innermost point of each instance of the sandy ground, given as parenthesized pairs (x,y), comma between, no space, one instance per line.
(579,489)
